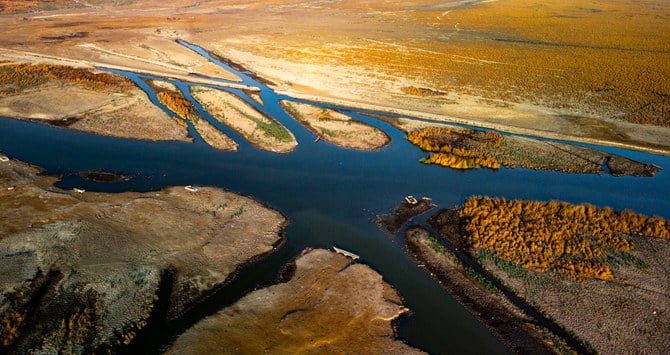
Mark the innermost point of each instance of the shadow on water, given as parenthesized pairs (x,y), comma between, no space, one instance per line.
(330,196)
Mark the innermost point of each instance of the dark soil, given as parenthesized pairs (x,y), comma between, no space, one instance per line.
(449,225)
(101,176)
(619,166)
(513,329)
(392,222)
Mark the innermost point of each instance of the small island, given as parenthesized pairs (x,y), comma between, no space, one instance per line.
(460,148)
(262,131)
(325,303)
(596,273)
(336,128)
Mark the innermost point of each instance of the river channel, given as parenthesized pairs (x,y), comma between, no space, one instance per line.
(330,196)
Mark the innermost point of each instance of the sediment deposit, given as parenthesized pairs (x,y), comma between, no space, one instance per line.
(81,270)
(329,305)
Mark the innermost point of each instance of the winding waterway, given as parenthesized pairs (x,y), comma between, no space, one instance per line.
(330,196)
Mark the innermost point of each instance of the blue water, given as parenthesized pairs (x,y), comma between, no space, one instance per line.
(330,194)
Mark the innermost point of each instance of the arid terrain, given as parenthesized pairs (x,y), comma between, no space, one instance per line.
(79,99)
(326,304)
(82,270)
(447,60)
(602,276)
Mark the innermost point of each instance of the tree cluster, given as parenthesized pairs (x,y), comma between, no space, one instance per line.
(9,326)
(458,149)
(15,78)
(178,104)
(574,240)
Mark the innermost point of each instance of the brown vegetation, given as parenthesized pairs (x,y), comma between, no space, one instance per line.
(14,78)
(173,99)
(413,90)
(11,6)
(80,327)
(608,59)
(335,127)
(574,240)
(466,149)
(10,324)
(458,149)
(178,104)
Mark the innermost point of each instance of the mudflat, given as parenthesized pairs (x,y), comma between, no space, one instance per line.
(82,270)
(325,304)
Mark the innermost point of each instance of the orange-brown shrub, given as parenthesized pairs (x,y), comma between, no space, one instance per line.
(15,78)
(555,236)
(178,104)
(458,149)
(9,326)
(413,90)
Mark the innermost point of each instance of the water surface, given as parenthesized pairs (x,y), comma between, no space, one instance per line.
(330,196)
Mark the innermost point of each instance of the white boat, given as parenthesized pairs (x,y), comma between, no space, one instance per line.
(4,158)
(411,200)
(191,188)
(81,191)
(346,253)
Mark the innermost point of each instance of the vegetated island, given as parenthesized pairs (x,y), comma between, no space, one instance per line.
(84,100)
(261,131)
(324,303)
(531,78)
(336,128)
(83,271)
(174,100)
(598,273)
(461,148)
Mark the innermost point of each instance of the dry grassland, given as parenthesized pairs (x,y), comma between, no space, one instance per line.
(263,132)
(608,60)
(337,128)
(586,72)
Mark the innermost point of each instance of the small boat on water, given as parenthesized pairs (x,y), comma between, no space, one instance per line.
(81,191)
(191,188)
(346,253)
(411,200)
(318,138)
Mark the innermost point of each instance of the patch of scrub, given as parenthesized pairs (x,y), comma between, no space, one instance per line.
(337,128)
(174,100)
(261,131)
(329,305)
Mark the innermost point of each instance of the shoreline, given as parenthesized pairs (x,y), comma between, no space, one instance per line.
(511,326)
(617,293)
(31,57)
(124,282)
(505,129)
